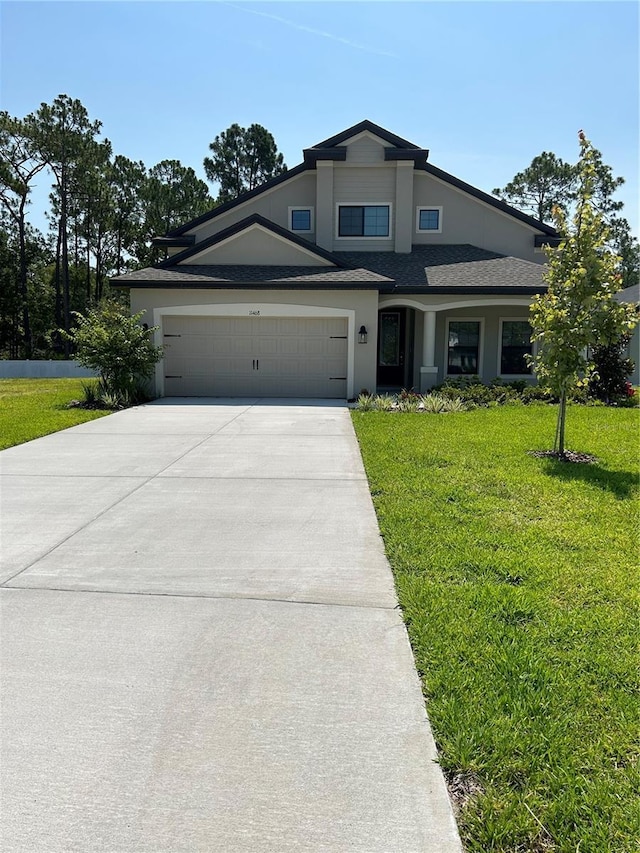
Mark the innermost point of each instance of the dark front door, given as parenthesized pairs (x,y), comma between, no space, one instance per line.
(392,327)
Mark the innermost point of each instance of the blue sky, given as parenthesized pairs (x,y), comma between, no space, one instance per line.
(486,86)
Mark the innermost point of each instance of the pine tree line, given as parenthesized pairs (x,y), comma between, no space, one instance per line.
(104,209)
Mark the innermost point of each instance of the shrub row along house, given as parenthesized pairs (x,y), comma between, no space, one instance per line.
(365,267)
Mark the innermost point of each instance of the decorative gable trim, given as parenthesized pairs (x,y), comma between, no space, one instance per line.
(366,125)
(245,224)
(312,155)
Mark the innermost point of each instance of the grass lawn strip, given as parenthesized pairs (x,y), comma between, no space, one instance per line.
(30,408)
(518,580)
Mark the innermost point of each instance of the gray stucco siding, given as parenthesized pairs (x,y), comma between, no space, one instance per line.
(273,205)
(468,220)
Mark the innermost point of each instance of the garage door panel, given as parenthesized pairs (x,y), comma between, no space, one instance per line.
(255,356)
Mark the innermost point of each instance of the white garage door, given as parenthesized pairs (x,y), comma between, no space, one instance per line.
(255,356)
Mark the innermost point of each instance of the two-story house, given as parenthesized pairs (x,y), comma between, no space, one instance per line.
(365,267)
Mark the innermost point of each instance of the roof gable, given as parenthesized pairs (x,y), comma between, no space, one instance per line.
(366,125)
(334,148)
(254,240)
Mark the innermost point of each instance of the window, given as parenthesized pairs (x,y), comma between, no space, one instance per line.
(363,220)
(515,343)
(301,218)
(463,347)
(429,219)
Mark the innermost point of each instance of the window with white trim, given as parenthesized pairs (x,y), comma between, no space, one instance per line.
(515,344)
(301,219)
(429,219)
(364,220)
(463,347)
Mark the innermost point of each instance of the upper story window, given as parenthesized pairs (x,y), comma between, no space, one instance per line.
(364,220)
(429,219)
(515,344)
(301,219)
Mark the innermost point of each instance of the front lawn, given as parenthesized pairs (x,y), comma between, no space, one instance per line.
(518,578)
(30,408)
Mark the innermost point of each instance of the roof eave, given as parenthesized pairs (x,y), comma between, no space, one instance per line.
(180,242)
(465,290)
(249,285)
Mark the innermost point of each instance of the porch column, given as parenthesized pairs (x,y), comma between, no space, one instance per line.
(428,371)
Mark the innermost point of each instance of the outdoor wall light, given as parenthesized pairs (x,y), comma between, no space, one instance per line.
(362,335)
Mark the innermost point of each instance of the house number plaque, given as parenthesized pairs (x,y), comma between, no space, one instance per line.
(254,313)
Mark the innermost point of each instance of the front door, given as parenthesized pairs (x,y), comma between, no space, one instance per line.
(392,326)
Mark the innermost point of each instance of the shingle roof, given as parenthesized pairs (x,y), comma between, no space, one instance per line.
(193,275)
(450,268)
(458,268)
(629,294)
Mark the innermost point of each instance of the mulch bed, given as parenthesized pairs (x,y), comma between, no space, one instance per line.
(567,456)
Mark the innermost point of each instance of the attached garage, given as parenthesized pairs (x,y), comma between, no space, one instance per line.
(222,356)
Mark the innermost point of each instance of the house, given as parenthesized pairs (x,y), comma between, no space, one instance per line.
(365,267)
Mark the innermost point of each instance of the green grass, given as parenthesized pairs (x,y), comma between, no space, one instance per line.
(30,408)
(518,579)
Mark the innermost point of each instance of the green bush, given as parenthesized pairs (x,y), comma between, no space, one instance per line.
(384,402)
(612,366)
(120,349)
(365,401)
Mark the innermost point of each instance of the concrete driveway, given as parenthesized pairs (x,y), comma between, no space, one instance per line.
(200,645)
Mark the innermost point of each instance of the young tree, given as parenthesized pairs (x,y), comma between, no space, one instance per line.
(545,184)
(243,158)
(578,311)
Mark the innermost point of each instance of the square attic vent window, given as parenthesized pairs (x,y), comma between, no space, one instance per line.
(300,218)
(429,219)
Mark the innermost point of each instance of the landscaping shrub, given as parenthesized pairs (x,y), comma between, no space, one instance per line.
(463,393)
(611,368)
(120,348)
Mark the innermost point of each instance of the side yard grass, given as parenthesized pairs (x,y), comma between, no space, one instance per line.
(518,579)
(30,408)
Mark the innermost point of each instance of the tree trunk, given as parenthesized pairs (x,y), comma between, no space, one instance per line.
(65,260)
(24,293)
(562,414)
(57,279)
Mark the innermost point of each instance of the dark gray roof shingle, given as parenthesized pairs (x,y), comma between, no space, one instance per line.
(457,268)
(459,265)
(185,275)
